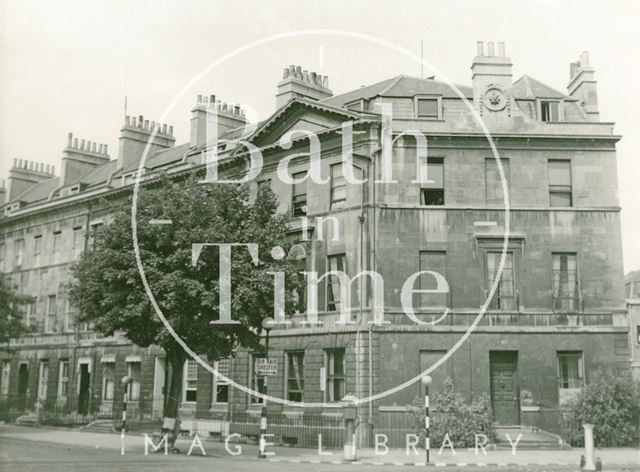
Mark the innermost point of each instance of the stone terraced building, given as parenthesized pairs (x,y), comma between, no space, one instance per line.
(558,312)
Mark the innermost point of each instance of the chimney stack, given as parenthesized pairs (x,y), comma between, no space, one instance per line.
(583,86)
(211,118)
(490,68)
(25,174)
(303,84)
(134,136)
(78,160)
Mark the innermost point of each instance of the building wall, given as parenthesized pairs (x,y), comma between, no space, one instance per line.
(468,366)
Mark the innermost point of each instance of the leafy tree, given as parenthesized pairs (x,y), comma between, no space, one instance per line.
(611,402)
(451,414)
(11,303)
(109,292)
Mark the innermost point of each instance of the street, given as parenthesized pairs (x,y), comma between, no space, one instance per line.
(18,455)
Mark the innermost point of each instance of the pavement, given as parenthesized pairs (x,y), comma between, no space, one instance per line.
(109,446)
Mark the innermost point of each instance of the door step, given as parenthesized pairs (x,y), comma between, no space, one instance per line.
(531,439)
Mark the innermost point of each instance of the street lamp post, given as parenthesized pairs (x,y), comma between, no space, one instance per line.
(126,380)
(426,380)
(267,325)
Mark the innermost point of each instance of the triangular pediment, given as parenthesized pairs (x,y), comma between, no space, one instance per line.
(300,115)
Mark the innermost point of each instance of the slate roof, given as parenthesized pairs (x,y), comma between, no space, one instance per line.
(528,88)
(633,276)
(400,86)
(100,174)
(39,191)
(525,88)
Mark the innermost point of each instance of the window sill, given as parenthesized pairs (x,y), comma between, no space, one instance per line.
(393,409)
(219,407)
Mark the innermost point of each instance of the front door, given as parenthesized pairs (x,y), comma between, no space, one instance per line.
(504,387)
(23,386)
(83,393)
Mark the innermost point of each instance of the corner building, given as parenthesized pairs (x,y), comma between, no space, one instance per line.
(558,312)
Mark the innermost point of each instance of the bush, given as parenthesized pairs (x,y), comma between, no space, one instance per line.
(450,413)
(611,402)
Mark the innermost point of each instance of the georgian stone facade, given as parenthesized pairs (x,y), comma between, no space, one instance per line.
(558,313)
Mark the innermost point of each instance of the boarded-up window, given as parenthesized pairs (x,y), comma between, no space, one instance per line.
(338,187)
(428,108)
(494,194)
(434,261)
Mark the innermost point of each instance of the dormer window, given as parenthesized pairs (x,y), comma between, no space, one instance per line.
(550,111)
(428,108)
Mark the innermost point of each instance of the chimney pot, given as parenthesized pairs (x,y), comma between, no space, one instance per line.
(106,149)
(75,143)
(164,128)
(490,47)
(93,147)
(480,46)
(285,73)
(236,109)
(199,100)
(298,72)
(69,139)
(140,121)
(584,59)
(82,145)
(171,130)
(305,76)
(501,49)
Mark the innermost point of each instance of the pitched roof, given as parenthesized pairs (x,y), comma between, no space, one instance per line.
(39,191)
(99,174)
(528,88)
(400,86)
(263,126)
(633,276)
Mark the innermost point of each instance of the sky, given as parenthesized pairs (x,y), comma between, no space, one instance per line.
(67,65)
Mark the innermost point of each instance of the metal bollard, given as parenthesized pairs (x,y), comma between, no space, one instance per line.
(426,381)
(589,453)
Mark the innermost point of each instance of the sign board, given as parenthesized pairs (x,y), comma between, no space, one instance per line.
(266,366)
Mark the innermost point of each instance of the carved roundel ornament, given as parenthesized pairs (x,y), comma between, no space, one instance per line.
(495,99)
